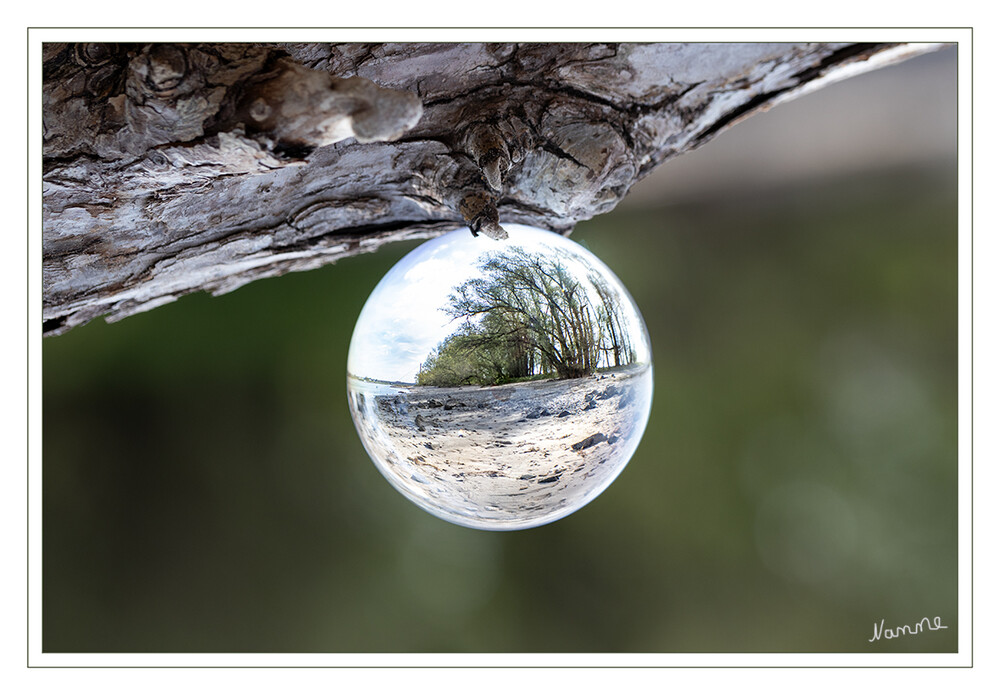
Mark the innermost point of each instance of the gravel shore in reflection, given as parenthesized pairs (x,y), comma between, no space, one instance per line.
(510,456)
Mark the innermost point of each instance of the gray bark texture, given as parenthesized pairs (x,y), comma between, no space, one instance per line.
(170,168)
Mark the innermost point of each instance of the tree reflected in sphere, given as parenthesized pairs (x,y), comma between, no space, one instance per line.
(500,384)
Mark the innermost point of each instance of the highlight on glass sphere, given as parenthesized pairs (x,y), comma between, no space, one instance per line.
(500,385)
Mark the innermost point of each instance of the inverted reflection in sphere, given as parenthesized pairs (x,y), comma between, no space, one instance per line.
(500,384)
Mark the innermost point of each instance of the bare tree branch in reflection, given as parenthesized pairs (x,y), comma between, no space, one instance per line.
(529,315)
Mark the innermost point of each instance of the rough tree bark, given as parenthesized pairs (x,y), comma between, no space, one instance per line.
(170,169)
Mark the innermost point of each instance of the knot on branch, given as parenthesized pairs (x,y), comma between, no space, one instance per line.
(486,146)
(163,68)
(158,74)
(102,67)
(92,55)
(294,105)
(495,146)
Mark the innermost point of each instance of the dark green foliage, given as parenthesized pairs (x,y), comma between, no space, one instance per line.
(205,490)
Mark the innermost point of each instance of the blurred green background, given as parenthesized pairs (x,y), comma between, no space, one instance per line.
(205,490)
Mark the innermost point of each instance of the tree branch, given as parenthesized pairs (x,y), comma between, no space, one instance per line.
(170,169)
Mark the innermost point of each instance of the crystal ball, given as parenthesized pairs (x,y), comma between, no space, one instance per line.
(500,385)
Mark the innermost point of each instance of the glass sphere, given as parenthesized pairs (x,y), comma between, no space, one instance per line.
(500,384)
